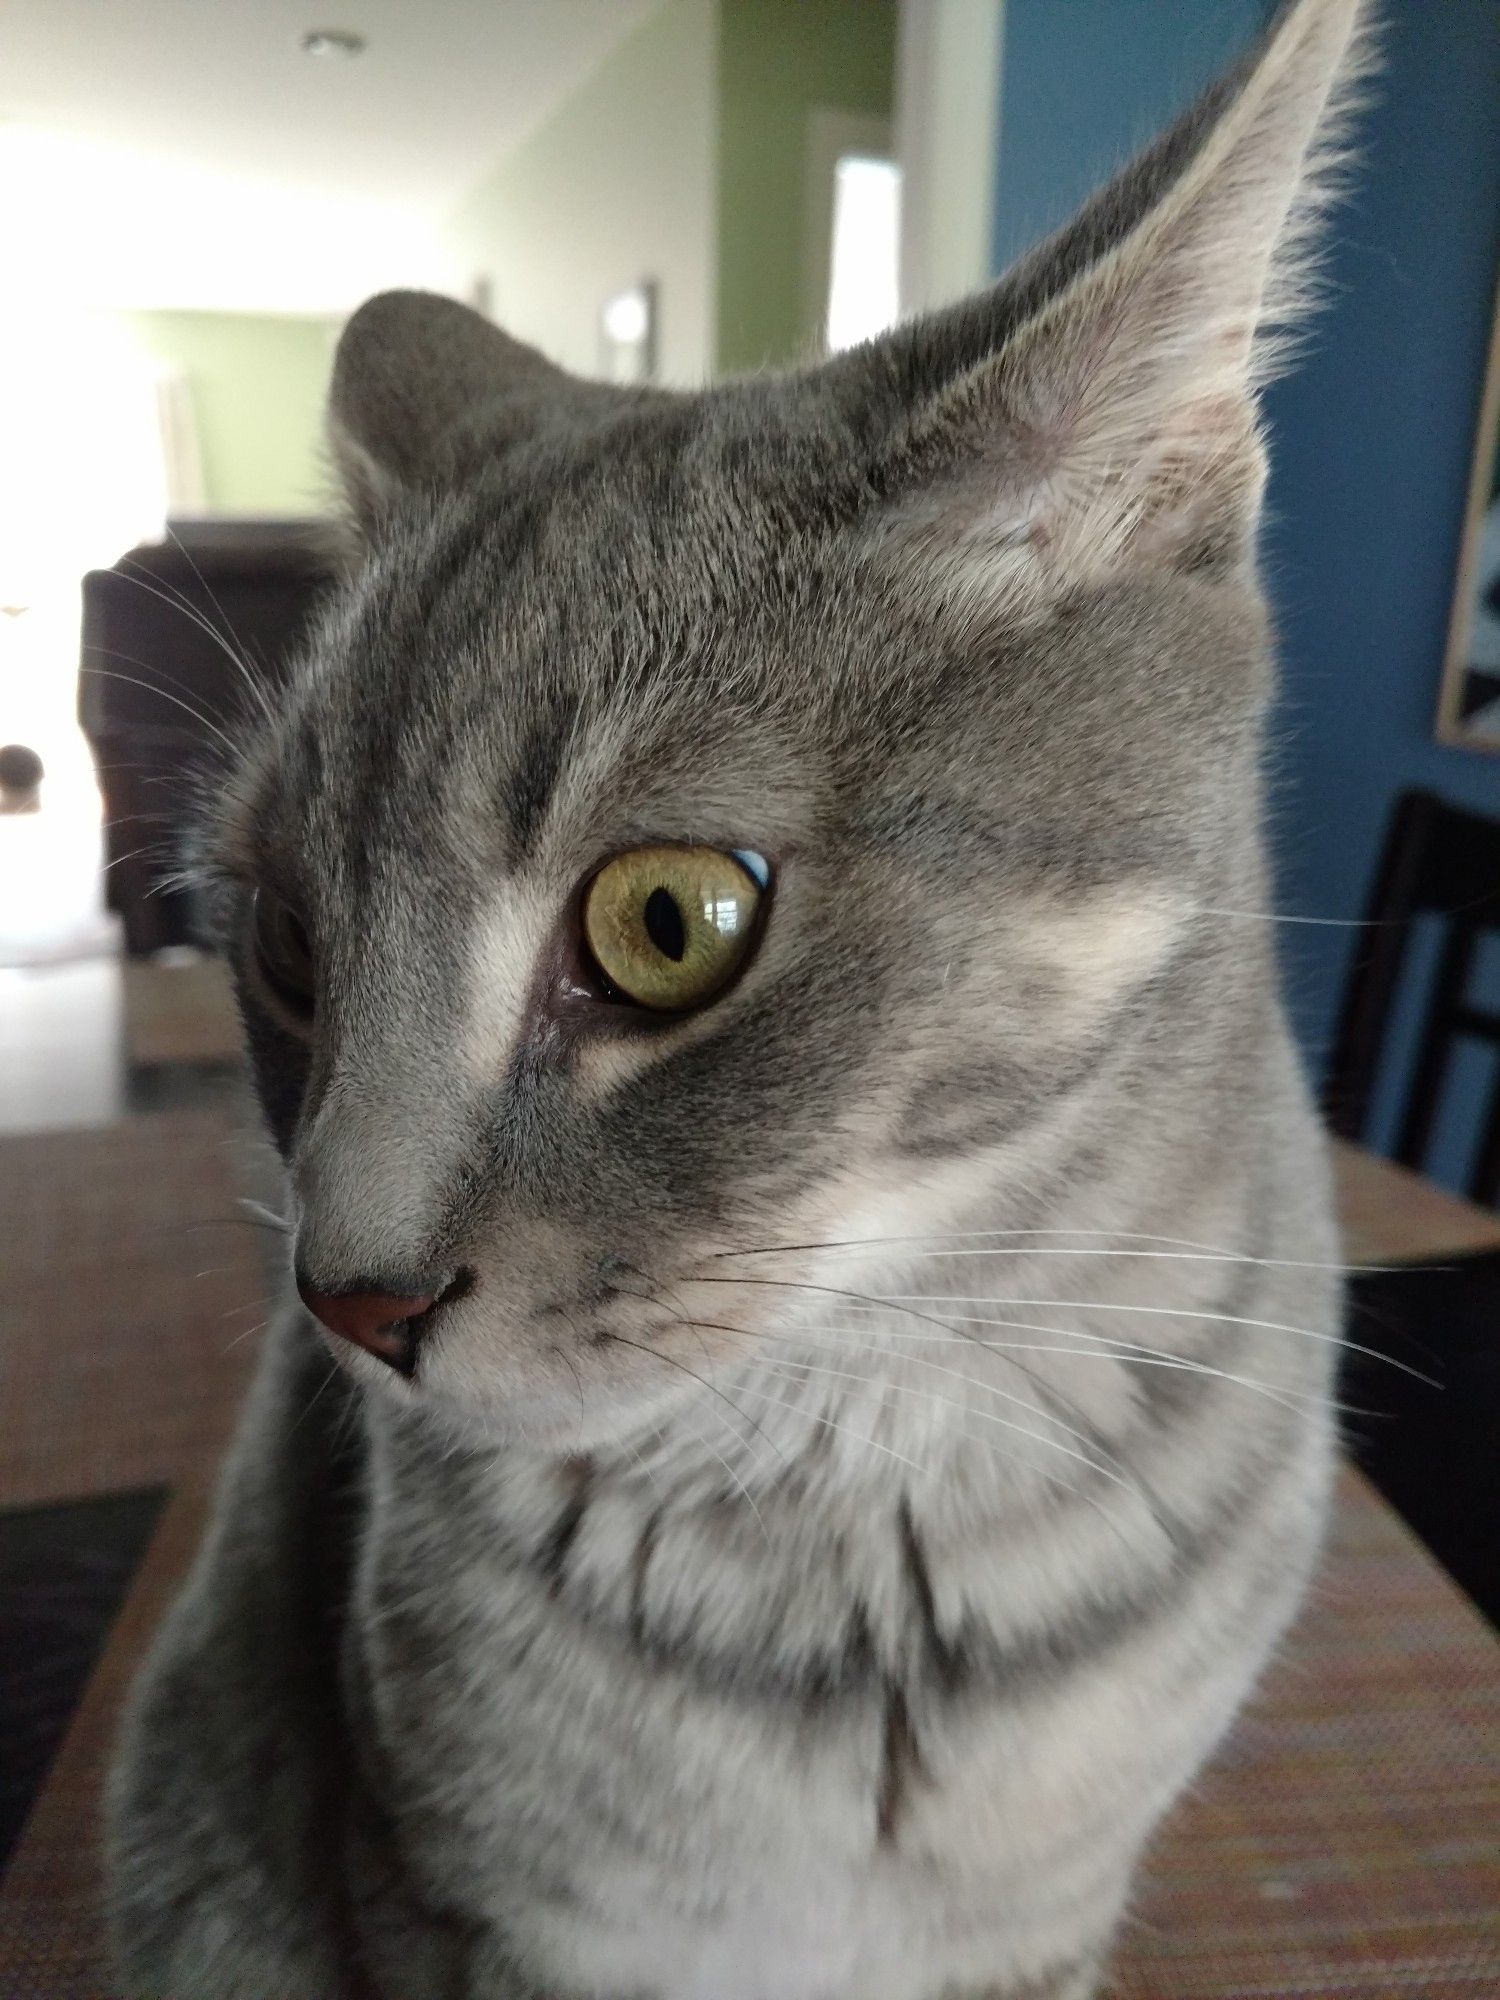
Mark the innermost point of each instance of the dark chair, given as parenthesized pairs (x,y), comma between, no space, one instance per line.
(1439,860)
(159,679)
(1424,1429)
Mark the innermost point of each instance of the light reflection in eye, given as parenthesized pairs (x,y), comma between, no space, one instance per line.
(668,927)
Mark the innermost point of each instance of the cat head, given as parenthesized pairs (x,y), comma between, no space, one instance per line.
(762,817)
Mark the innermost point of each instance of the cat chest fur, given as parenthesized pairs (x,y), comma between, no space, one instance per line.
(621,1813)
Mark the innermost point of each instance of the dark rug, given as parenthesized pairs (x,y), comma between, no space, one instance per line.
(63,1573)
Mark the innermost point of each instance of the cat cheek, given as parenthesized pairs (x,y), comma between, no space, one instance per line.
(1101,948)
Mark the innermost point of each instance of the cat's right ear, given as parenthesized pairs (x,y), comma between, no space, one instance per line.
(418,382)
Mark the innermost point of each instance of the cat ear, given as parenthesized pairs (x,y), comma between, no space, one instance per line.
(1113,415)
(417,380)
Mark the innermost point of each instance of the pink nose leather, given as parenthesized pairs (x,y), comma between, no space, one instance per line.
(375,1321)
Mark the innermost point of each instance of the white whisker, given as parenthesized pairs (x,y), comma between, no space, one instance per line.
(234,645)
(1124,1352)
(1005,1395)
(1155,1312)
(828,1423)
(1185,1247)
(948,1402)
(178,601)
(781,1372)
(708,1445)
(248,1334)
(151,687)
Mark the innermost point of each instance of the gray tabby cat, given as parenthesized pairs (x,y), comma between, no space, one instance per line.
(792,1143)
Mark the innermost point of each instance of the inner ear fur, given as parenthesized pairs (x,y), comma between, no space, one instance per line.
(1115,413)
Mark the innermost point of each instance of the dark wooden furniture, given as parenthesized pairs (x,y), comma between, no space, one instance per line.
(1390,1215)
(1439,861)
(173,635)
(1430,1304)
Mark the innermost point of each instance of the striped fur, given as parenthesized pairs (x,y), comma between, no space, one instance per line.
(884,1428)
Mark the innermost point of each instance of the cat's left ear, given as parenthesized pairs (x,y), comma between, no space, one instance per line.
(420,384)
(1114,416)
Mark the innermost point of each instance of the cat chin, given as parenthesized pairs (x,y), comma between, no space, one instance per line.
(549,1404)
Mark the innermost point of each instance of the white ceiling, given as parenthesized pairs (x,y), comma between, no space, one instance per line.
(188,153)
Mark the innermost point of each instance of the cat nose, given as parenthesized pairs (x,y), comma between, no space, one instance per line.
(385,1324)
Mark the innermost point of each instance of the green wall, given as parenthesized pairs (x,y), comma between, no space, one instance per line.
(778,61)
(256,384)
(682,157)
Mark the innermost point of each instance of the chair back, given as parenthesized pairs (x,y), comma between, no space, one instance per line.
(1440,860)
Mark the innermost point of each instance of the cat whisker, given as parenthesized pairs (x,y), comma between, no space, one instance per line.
(153,687)
(1049,1390)
(263,1217)
(709,1445)
(948,1402)
(254,1305)
(160,677)
(835,1427)
(622,1340)
(234,645)
(1163,1312)
(1113,1470)
(177,601)
(248,1334)
(863,1299)
(153,849)
(312,1401)
(1189,1250)
(1056,1250)
(907,1301)
(622,1439)
(829,1423)
(1125,1352)
(1329,923)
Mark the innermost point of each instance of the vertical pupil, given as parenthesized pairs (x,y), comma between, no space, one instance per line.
(664,925)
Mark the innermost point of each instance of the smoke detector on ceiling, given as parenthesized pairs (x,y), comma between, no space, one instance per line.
(333,42)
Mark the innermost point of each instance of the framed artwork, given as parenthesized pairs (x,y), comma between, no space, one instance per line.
(1469,701)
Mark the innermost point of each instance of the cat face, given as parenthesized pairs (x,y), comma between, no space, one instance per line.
(759,818)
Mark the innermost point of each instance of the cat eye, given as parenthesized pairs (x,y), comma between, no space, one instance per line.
(669,927)
(283,953)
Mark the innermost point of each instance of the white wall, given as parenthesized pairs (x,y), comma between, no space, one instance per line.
(947,123)
(619,185)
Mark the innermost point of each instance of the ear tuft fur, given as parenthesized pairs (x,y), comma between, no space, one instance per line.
(1118,414)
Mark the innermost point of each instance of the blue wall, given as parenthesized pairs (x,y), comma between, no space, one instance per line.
(1087,83)
(1372,436)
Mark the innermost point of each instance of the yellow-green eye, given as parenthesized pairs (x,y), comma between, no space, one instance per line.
(670,926)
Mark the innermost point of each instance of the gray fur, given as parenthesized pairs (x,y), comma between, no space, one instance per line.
(707,1619)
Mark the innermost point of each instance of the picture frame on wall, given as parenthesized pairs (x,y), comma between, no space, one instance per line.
(1469,699)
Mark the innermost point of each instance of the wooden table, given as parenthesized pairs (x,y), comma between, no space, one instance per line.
(1345,1844)
(1392,1216)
